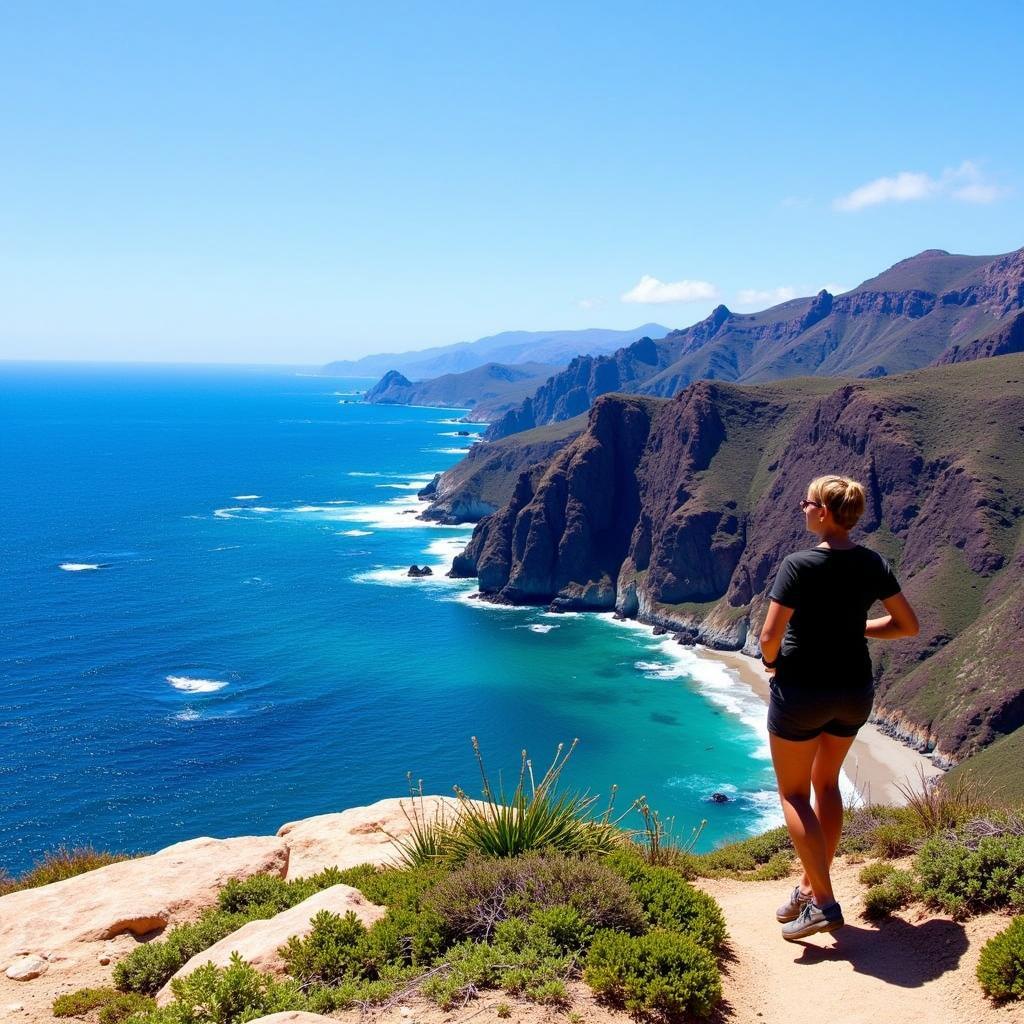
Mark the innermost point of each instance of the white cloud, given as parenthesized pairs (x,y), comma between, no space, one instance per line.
(761,298)
(650,289)
(833,289)
(965,183)
(590,303)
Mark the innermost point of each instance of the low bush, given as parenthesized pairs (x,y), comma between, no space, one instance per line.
(962,875)
(896,891)
(759,858)
(875,873)
(150,966)
(114,1006)
(660,973)
(476,897)
(229,995)
(668,900)
(1001,964)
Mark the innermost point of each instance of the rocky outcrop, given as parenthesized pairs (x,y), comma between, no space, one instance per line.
(360,835)
(59,922)
(259,942)
(679,512)
(908,317)
(393,387)
(1003,341)
(483,481)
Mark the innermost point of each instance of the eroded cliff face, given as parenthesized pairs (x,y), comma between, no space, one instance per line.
(679,511)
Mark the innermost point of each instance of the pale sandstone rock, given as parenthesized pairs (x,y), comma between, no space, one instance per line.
(355,836)
(25,968)
(137,896)
(258,941)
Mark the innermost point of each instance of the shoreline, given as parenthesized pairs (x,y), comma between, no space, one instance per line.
(876,763)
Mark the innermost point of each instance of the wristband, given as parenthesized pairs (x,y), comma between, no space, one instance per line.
(769,664)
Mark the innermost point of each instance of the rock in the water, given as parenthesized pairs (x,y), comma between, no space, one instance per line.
(138,896)
(355,836)
(660,631)
(462,433)
(719,798)
(415,570)
(258,942)
(25,968)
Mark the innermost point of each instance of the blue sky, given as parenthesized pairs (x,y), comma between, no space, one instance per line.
(268,182)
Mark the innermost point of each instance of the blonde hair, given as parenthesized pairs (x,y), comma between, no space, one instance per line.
(843,497)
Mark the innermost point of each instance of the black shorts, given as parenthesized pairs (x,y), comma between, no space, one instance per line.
(799,710)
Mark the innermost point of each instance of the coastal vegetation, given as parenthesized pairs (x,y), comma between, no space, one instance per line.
(529,894)
(61,863)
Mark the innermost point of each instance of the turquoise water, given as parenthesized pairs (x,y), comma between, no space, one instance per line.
(248,649)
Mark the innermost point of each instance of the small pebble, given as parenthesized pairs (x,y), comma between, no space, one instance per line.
(104,960)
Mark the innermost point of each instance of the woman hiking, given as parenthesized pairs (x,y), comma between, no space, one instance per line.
(821,694)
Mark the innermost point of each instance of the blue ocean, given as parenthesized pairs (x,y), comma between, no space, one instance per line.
(207,626)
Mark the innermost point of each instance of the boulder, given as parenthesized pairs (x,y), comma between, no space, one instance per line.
(355,836)
(25,968)
(415,570)
(139,896)
(258,942)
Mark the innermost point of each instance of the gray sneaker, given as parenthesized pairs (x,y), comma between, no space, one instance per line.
(790,910)
(813,919)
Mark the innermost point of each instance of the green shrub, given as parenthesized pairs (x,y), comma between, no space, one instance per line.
(570,930)
(875,873)
(503,1010)
(114,1006)
(474,898)
(669,901)
(393,887)
(962,879)
(402,936)
(898,838)
(895,892)
(1001,965)
(657,973)
(882,831)
(228,995)
(331,951)
(75,1004)
(150,966)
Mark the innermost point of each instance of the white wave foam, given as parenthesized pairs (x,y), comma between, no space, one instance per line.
(226,513)
(715,681)
(563,615)
(448,451)
(188,715)
(261,508)
(413,485)
(227,547)
(78,566)
(472,597)
(355,533)
(245,497)
(536,627)
(356,472)
(189,684)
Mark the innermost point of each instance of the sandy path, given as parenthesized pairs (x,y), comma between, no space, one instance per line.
(917,967)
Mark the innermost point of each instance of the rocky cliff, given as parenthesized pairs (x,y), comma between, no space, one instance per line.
(487,391)
(678,512)
(917,312)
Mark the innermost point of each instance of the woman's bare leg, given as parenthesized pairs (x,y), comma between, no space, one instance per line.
(828,800)
(793,762)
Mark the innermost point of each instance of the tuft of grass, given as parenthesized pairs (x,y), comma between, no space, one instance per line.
(875,874)
(943,803)
(62,863)
(500,826)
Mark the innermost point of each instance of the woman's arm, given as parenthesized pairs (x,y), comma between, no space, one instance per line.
(901,620)
(775,623)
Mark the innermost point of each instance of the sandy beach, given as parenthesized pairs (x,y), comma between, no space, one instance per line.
(876,764)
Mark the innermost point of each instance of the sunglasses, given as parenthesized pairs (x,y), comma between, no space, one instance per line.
(805,505)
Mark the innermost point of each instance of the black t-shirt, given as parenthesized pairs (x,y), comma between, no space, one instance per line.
(830,591)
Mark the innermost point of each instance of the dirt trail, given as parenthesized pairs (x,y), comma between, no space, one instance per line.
(918,967)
